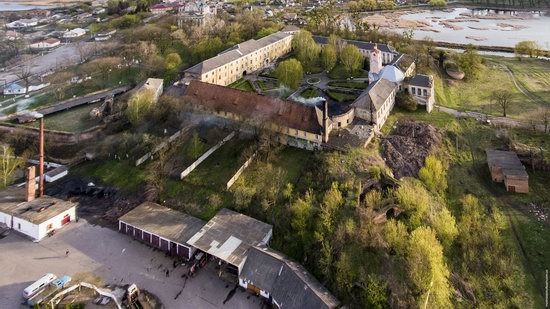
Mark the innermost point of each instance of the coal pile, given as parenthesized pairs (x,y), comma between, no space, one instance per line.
(406,149)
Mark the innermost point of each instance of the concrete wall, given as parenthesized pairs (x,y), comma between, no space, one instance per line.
(516,184)
(240,171)
(193,165)
(26,228)
(343,120)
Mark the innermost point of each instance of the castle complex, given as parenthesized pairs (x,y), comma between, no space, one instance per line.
(302,125)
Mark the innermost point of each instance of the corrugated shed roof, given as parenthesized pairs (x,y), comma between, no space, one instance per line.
(288,282)
(236,52)
(508,161)
(229,235)
(253,106)
(163,221)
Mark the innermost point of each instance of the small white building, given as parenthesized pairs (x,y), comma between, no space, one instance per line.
(14,89)
(421,87)
(155,85)
(34,217)
(46,44)
(22,23)
(75,33)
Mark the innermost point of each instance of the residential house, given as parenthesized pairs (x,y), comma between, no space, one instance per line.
(14,89)
(422,88)
(196,13)
(22,23)
(46,44)
(161,8)
(74,33)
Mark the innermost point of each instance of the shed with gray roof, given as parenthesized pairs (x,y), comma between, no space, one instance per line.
(229,235)
(283,281)
(162,228)
(506,167)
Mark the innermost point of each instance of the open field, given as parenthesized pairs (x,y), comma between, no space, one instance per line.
(475,95)
(242,85)
(76,119)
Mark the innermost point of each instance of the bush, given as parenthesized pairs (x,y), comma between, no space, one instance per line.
(406,101)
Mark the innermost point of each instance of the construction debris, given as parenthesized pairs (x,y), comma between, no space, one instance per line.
(406,149)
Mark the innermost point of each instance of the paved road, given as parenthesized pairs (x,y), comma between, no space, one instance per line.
(65,55)
(116,258)
(493,119)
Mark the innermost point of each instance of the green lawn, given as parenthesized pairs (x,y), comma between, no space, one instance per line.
(341,96)
(267,85)
(309,93)
(120,174)
(243,85)
(76,119)
(340,72)
(475,95)
(351,85)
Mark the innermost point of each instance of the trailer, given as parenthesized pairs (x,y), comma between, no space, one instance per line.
(52,288)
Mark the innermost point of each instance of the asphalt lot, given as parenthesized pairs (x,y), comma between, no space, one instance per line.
(116,259)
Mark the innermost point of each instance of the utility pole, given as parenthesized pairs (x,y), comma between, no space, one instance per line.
(41,161)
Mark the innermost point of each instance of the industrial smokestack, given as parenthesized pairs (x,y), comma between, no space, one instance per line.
(30,184)
(41,163)
(326,131)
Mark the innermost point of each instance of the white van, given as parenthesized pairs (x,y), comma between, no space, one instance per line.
(38,285)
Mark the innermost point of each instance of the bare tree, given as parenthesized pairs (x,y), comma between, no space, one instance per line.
(502,98)
(545,119)
(25,72)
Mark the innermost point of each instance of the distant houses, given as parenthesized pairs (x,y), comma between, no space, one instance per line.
(45,44)
(74,33)
(22,23)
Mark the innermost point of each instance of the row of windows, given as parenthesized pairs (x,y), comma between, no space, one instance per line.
(419,91)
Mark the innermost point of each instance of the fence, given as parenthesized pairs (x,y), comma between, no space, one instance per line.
(161,146)
(240,171)
(206,155)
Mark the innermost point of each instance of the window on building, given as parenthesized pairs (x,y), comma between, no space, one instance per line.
(425,92)
(18,226)
(413,90)
(49,227)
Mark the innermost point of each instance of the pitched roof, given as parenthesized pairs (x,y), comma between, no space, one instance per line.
(392,73)
(37,211)
(163,221)
(288,282)
(360,44)
(236,52)
(229,235)
(403,62)
(375,94)
(421,80)
(253,106)
(508,161)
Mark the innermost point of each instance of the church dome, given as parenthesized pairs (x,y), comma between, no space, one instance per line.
(392,74)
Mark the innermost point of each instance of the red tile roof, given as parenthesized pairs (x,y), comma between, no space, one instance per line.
(256,107)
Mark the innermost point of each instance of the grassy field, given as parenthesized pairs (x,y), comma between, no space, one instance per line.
(121,174)
(340,72)
(309,93)
(475,95)
(242,85)
(74,120)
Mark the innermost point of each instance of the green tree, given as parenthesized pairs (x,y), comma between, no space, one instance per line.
(527,48)
(243,196)
(437,3)
(307,51)
(502,98)
(375,295)
(427,269)
(9,163)
(336,42)
(196,148)
(138,105)
(301,211)
(406,101)
(290,73)
(434,175)
(444,224)
(469,62)
(413,198)
(172,63)
(328,57)
(396,236)
(351,58)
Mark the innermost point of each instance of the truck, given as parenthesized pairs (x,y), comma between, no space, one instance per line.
(52,288)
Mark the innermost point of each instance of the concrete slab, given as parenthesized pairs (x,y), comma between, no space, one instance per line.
(116,258)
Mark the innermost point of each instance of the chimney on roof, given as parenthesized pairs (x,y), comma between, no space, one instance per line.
(41,161)
(325,122)
(30,184)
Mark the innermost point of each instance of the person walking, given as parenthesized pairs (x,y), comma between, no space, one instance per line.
(67,253)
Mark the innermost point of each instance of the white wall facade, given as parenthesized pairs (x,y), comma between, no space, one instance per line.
(36,231)
(55,222)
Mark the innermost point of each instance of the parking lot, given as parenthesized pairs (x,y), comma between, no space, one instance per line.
(116,258)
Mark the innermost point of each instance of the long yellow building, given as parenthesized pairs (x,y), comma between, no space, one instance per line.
(234,63)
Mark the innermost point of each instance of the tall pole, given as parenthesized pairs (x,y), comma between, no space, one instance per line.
(41,163)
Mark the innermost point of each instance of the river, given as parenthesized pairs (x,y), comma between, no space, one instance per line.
(469,26)
(13,6)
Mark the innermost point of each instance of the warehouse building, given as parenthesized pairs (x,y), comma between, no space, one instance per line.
(162,228)
(228,236)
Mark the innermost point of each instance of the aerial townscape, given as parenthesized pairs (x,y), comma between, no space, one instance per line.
(280,154)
